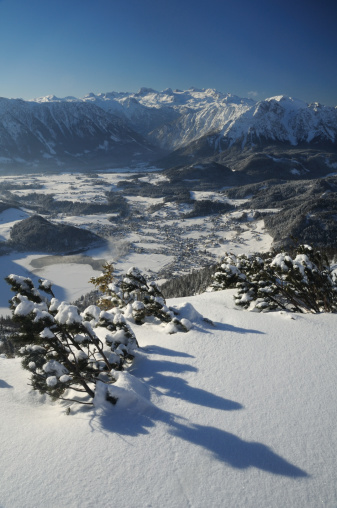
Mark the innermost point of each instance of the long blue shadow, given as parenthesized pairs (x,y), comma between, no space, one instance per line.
(158,350)
(236,452)
(230,328)
(157,374)
(180,389)
(3,384)
(223,446)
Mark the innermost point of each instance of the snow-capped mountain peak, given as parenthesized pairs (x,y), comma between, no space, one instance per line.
(169,119)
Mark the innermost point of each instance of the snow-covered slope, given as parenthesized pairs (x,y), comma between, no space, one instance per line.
(239,414)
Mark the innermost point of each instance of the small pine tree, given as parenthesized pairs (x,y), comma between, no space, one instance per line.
(305,283)
(67,352)
(133,293)
(110,293)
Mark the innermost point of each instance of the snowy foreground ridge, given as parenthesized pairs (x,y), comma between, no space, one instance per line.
(239,414)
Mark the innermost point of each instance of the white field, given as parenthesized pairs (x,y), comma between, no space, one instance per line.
(239,414)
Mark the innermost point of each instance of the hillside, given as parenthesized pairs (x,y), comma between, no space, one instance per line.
(241,413)
(37,233)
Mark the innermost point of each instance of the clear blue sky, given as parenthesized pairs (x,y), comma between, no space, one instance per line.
(255,48)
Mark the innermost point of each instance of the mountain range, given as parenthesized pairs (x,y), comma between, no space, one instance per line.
(169,128)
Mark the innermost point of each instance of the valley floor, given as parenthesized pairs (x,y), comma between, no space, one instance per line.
(239,414)
(162,243)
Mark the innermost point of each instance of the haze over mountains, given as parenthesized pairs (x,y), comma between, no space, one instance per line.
(172,127)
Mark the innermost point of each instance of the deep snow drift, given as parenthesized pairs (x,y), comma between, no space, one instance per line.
(241,413)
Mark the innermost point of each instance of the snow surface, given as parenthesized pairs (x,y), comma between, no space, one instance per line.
(241,413)
(7,220)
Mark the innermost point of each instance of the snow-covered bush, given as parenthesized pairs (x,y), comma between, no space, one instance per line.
(135,296)
(68,352)
(303,283)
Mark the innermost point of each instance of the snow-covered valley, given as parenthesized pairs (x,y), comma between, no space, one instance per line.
(161,242)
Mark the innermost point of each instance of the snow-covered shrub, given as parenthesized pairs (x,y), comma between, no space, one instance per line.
(68,352)
(302,283)
(135,296)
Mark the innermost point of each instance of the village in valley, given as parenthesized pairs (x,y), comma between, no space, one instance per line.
(163,237)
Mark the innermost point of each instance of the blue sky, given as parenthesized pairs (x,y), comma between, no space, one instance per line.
(254,48)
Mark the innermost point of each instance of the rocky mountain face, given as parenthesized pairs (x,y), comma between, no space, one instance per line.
(62,135)
(176,118)
(174,127)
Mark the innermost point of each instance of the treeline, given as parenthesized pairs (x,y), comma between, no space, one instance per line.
(46,204)
(8,328)
(190,284)
(169,191)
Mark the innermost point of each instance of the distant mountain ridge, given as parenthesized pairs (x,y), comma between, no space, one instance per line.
(126,127)
(207,111)
(56,134)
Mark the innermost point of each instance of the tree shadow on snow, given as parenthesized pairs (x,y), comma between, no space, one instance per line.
(179,388)
(230,328)
(138,418)
(236,452)
(223,446)
(158,350)
(3,384)
(158,376)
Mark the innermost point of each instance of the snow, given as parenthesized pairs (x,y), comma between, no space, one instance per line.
(55,367)
(138,305)
(67,314)
(175,118)
(7,220)
(47,334)
(26,306)
(281,261)
(295,171)
(238,413)
(51,381)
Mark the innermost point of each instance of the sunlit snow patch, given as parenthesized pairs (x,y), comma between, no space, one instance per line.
(128,391)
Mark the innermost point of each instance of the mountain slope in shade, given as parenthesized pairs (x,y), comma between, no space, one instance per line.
(55,134)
